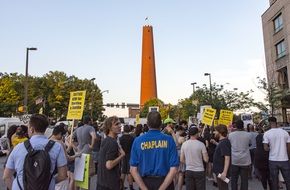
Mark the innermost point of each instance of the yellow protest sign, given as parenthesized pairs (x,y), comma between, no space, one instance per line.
(137,119)
(208,116)
(76,105)
(85,183)
(226,117)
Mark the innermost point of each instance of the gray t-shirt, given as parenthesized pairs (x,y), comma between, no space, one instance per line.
(84,138)
(253,140)
(240,142)
(193,150)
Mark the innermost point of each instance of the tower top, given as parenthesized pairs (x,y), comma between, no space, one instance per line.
(147,20)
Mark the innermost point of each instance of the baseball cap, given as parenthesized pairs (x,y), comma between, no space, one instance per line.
(169,120)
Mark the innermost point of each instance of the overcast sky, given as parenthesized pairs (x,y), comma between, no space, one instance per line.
(102,40)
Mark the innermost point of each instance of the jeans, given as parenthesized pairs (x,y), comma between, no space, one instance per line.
(194,180)
(237,171)
(284,167)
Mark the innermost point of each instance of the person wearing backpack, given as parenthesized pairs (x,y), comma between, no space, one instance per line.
(35,160)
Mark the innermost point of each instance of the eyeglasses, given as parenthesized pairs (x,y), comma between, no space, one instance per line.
(118,123)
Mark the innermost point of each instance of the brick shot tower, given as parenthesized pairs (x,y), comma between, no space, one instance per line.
(148,73)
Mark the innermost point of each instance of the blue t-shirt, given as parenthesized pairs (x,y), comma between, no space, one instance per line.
(154,153)
(16,158)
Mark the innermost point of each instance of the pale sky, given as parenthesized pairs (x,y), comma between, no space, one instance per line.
(102,40)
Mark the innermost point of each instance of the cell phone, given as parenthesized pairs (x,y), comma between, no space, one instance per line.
(227,180)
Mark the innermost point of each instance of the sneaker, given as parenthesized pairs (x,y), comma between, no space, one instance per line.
(210,179)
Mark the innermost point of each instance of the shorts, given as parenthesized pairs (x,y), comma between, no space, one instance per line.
(71,166)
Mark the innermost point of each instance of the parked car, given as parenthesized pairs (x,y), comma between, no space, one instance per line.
(6,122)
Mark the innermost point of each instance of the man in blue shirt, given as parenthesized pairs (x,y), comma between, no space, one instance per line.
(36,128)
(154,159)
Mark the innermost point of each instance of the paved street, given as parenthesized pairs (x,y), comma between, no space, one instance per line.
(254,184)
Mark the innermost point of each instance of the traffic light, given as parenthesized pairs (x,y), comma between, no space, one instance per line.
(110,105)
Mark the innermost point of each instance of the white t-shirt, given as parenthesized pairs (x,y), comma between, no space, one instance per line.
(193,150)
(277,139)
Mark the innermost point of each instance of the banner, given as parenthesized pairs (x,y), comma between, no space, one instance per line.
(76,105)
(208,116)
(247,119)
(25,118)
(226,117)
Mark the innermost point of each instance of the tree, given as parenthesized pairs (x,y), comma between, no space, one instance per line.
(164,109)
(54,88)
(218,98)
(274,95)
(184,109)
(9,97)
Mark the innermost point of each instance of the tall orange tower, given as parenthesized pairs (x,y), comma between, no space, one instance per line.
(148,73)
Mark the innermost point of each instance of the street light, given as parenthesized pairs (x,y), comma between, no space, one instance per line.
(107,91)
(193,83)
(26,78)
(210,88)
(92,97)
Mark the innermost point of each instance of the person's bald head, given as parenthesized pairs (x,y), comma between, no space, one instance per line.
(154,120)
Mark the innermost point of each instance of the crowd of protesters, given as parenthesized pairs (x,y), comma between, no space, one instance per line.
(157,155)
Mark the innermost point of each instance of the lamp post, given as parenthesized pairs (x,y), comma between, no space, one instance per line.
(107,91)
(26,78)
(193,89)
(210,88)
(92,96)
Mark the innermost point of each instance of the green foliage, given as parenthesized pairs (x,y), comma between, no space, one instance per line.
(8,96)
(218,98)
(274,95)
(54,88)
(164,109)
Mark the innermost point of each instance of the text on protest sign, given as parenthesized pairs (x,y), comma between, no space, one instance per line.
(76,105)
(208,116)
(226,117)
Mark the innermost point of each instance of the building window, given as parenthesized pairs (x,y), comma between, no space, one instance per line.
(278,23)
(283,78)
(280,49)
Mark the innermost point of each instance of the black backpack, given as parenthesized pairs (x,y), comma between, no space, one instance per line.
(36,168)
